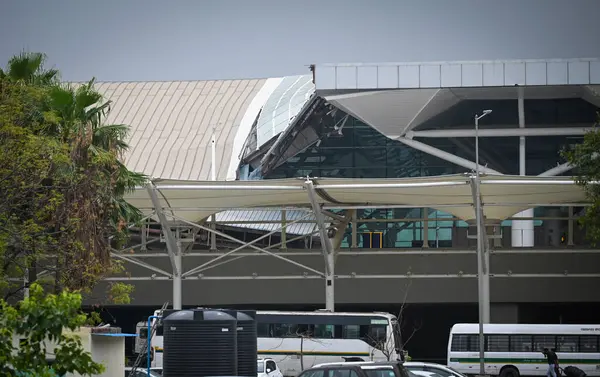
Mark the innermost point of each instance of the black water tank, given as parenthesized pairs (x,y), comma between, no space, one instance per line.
(246,342)
(200,343)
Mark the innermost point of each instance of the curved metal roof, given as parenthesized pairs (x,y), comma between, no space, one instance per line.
(172,124)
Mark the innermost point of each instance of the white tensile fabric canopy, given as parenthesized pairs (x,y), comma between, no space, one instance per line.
(502,196)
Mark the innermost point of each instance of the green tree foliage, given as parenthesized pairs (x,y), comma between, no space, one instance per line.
(39,323)
(62,180)
(585,157)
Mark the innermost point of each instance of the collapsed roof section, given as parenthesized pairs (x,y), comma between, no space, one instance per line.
(397,98)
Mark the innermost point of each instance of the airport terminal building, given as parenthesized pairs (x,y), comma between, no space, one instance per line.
(365,122)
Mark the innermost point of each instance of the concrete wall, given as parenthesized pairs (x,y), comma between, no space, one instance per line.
(447,287)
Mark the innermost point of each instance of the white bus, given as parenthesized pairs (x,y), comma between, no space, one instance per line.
(299,340)
(513,350)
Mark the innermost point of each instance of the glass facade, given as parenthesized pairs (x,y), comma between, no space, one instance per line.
(359,151)
(362,152)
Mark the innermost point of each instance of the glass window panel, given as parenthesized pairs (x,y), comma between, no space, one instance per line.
(351,331)
(324,331)
(313,373)
(403,171)
(368,137)
(369,172)
(344,141)
(441,234)
(520,343)
(374,213)
(342,373)
(370,157)
(411,236)
(588,343)
(567,343)
(543,341)
(428,171)
(460,343)
(498,343)
(438,372)
(262,330)
(336,157)
(283,330)
(335,173)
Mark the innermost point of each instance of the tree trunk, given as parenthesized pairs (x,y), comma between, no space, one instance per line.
(32,273)
(58,275)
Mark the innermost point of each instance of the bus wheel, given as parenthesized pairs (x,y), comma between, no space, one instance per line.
(509,371)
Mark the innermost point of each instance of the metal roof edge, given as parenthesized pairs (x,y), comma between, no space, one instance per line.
(449,62)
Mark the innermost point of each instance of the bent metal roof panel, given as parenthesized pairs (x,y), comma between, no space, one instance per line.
(395,98)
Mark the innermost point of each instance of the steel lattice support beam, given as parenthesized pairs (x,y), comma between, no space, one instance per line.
(231,238)
(241,247)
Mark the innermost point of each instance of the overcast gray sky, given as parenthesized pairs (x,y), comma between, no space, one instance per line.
(118,40)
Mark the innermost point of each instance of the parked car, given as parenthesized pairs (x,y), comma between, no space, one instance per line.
(422,373)
(267,368)
(357,369)
(424,369)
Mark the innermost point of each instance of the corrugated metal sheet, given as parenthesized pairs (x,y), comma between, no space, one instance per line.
(172,122)
(302,228)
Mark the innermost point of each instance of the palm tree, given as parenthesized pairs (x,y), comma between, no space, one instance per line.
(81,112)
(95,181)
(102,179)
(28,67)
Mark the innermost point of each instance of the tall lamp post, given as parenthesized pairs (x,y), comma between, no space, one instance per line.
(480,256)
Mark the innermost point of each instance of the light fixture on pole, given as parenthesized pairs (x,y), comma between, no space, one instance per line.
(480,256)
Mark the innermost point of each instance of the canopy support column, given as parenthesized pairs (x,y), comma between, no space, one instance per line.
(173,248)
(483,276)
(326,247)
(177,277)
(522,230)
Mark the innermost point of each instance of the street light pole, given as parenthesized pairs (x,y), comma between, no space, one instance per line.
(480,256)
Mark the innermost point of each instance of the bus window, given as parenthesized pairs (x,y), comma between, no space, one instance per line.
(567,343)
(543,341)
(461,343)
(376,335)
(285,330)
(520,343)
(497,343)
(588,343)
(351,331)
(262,330)
(323,331)
(144,333)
